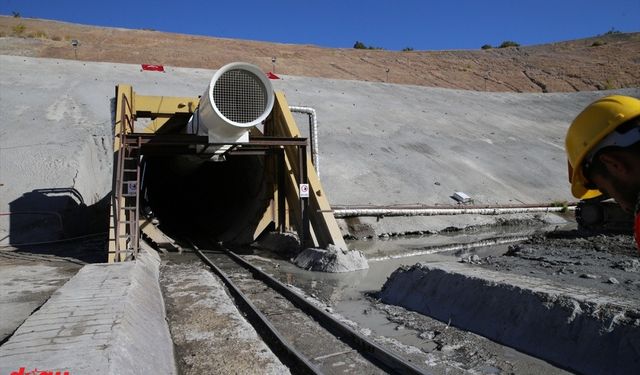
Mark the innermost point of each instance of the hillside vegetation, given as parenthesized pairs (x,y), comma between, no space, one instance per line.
(603,62)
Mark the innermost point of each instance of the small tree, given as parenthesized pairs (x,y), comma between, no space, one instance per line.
(612,31)
(15,14)
(486,46)
(359,45)
(509,43)
(407,49)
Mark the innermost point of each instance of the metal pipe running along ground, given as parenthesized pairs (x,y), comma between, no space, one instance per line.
(313,133)
(498,210)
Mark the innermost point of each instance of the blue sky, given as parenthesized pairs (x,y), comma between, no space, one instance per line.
(393,25)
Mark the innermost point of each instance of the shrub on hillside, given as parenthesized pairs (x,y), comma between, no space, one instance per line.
(608,85)
(486,46)
(509,43)
(598,43)
(407,49)
(613,31)
(360,45)
(19,29)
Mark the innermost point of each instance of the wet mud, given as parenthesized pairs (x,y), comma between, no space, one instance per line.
(609,263)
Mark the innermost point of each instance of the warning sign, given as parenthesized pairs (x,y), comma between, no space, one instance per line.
(132,187)
(304,190)
(153,68)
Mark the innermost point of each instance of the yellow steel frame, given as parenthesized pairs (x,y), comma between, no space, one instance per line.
(124,117)
(324,226)
(161,109)
(129,107)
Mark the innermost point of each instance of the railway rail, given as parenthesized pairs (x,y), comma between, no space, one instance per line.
(305,337)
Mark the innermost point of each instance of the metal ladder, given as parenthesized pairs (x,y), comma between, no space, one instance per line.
(127,199)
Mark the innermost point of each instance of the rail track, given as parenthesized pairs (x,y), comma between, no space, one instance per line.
(305,337)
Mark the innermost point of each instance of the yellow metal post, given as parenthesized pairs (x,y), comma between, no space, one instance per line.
(324,225)
(125,102)
(130,107)
(161,109)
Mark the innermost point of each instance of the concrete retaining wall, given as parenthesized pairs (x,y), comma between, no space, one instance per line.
(584,330)
(107,319)
(380,143)
(362,227)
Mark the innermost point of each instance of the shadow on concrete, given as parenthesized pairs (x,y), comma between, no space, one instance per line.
(57,221)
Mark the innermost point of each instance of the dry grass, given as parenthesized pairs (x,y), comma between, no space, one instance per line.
(559,67)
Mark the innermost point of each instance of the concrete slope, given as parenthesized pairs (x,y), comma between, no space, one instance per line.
(392,144)
(108,319)
(379,143)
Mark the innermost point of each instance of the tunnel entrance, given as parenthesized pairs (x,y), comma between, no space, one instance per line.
(164,168)
(196,194)
(220,201)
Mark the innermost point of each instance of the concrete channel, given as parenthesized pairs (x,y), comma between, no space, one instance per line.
(380,144)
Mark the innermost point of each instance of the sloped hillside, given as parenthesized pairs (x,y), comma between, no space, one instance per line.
(599,63)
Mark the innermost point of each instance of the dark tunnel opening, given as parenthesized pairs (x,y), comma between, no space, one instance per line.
(218,201)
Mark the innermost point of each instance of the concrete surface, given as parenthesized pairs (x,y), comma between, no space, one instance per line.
(107,319)
(392,144)
(379,143)
(369,227)
(576,327)
(210,335)
(27,282)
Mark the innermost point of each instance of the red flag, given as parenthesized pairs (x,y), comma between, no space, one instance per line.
(153,68)
(270,75)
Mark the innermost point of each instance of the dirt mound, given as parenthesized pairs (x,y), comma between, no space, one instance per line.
(578,327)
(599,63)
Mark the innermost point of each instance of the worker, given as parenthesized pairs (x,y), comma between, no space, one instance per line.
(603,148)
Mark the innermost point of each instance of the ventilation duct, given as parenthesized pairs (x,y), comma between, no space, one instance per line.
(238,98)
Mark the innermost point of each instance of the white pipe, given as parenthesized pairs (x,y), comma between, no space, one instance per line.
(313,133)
(443,211)
(453,247)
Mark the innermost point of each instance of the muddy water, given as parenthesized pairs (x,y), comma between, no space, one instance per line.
(385,255)
(447,349)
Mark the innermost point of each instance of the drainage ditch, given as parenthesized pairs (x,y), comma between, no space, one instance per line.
(353,297)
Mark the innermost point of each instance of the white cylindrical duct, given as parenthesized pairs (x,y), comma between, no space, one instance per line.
(239,97)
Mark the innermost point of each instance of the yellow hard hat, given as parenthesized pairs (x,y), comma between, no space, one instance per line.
(587,131)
